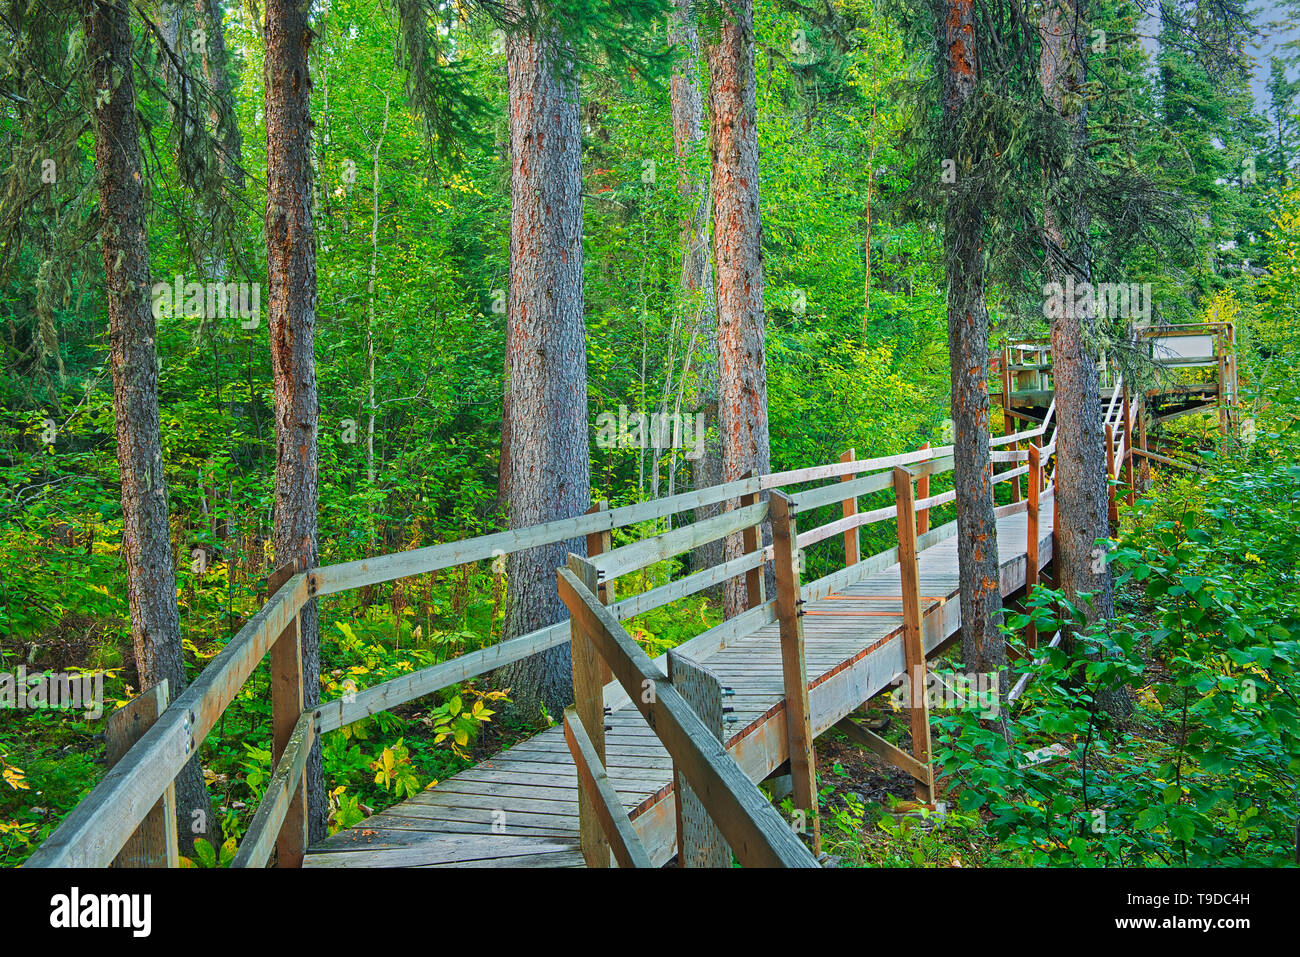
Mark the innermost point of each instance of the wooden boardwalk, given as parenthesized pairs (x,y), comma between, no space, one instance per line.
(520,807)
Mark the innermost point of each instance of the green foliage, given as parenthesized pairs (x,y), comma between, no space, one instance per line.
(1213,655)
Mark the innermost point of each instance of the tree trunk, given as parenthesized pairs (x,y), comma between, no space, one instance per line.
(546,349)
(146,541)
(1081,487)
(738,264)
(983,648)
(221,110)
(291,280)
(697,274)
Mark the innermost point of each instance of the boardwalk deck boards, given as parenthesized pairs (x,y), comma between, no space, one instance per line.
(519,808)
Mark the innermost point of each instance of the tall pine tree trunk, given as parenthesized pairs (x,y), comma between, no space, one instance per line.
(546,352)
(1081,486)
(697,275)
(983,648)
(291,276)
(146,540)
(738,262)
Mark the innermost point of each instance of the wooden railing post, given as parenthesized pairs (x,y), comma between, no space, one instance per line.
(153,844)
(287,703)
(1008,421)
(923,492)
(1221,354)
(751,540)
(1112,509)
(1031,543)
(913,648)
(589,704)
(1128,449)
(1145,467)
(852,537)
(597,544)
(798,718)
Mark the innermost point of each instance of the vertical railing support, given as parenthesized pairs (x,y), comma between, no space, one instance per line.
(751,540)
(798,718)
(589,703)
(852,537)
(1031,543)
(1008,421)
(923,492)
(153,844)
(913,649)
(287,702)
(1128,449)
(1144,470)
(597,544)
(1112,509)
(1221,353)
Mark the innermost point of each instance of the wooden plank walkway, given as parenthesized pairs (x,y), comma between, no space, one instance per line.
(520,807)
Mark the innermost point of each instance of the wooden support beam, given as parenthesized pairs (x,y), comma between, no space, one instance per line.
(608,809)
(1031,542)
(751,538)
(589,706)
(153,844)
(756,832)
(879,746)
(287,703)
(923,492)
(798,715)
(700,842)
(913,649)
(852,537)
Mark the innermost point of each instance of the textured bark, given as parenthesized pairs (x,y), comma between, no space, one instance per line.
(697,273)
(291,294)
(146,542)
(983,648)
(1081,486)
(1081,439)
(546,353)
(738,263)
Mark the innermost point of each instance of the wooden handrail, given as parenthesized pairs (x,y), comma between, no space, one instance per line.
(646,552)
(259,840)
(756,832)
(95,830)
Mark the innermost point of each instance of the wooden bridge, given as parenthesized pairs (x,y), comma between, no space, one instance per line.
(656,759)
